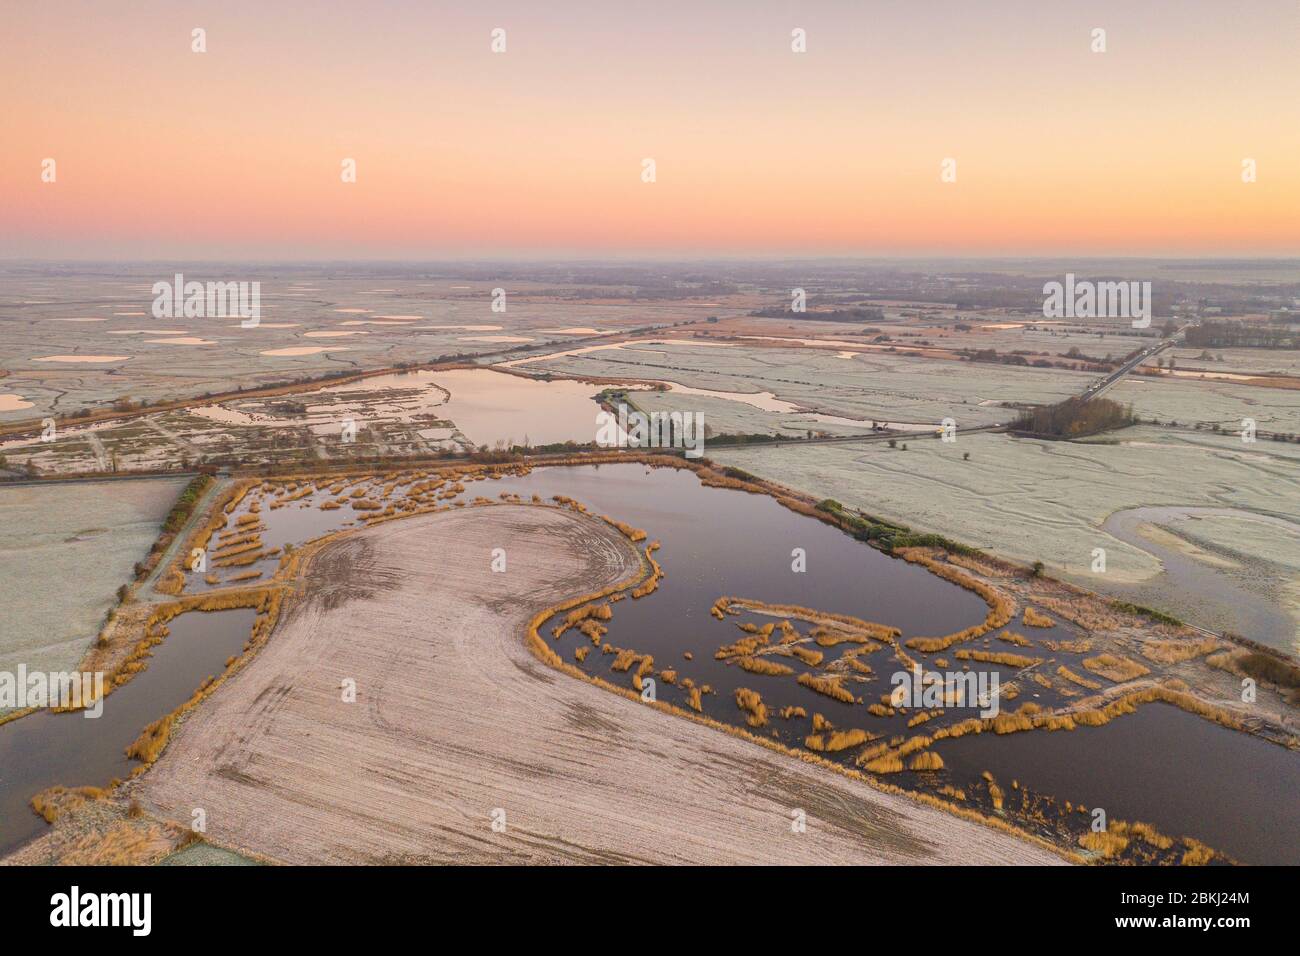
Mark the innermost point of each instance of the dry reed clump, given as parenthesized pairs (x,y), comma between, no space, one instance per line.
(857,629)
(1109,843)
(1032,618)
(1011,637)
(245,576)
(762,665)
(852,662)
(239,537)
(741,648)
(646,666)
(632,534)
(668,676)
(1077,678)
(172,582)
(1004,658)
(1197,853)
(242,560)
(886,764)
(251,517)
(830,686)
(950,791)
(1268,669)
(837,740)
(928,645)
(1151,835)
(693,699)
(581,652)
(751,702)
(1087,612)
(598,612)
(880,710)
(811,657)
(1081,646)
(625,658)
(651,583)
(791,712)
(593,629)
(1117,836)
(833,637)
(820,723)
(1175,652)
(51,802)
(926,761)
(1113,668)
(149,745)
(924,716)
(229,552)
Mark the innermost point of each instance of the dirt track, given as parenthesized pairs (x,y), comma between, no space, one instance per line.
(454,718)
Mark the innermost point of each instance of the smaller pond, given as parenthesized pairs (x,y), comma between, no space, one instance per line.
(1235,792)
(46,748)
(1229,599)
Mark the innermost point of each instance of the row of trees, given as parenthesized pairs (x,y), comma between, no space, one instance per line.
(1075,418)
(1242,335)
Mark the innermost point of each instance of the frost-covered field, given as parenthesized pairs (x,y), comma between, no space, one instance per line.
(310,324)
(1224,403)
(1037,500)
(880,386)
(64,551)
(1274,361)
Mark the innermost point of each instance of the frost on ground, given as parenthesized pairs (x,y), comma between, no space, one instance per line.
(64,551)
(881,386)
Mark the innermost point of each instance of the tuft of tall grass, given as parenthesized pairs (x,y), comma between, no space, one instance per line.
(762,665)
(1114,668)
(1032,618)
(830,686)
(751,702)
(929,760)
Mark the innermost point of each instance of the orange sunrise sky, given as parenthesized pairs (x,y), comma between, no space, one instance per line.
(236,152)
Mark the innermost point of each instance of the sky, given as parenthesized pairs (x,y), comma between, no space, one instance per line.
(538,151)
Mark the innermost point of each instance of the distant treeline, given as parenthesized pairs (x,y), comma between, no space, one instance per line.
(1242,335)
(1075,418)
(858,314)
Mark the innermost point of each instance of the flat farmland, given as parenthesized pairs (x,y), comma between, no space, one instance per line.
(75,342)
(64,551)
(866,386)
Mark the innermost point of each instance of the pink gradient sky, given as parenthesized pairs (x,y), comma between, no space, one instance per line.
(235,153)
